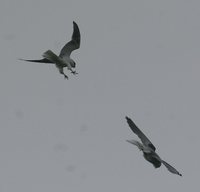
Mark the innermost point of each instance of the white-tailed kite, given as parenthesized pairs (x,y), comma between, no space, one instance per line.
(148,148)
(63,60)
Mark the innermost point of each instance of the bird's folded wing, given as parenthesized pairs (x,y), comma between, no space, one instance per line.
(139,133)
(170,168)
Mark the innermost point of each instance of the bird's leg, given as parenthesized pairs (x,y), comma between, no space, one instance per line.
(65,76)
(62,72)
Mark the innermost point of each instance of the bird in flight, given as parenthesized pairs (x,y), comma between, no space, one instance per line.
(148,148)
(63,60)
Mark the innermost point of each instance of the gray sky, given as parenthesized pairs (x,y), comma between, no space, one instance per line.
(137,58)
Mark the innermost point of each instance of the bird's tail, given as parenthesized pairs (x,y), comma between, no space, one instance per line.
(170,168)
(51,56)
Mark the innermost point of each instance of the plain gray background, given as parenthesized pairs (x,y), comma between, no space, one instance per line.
(137,58)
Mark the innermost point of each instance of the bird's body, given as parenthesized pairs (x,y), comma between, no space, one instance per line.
(63,60)
(148,148)
(153,158)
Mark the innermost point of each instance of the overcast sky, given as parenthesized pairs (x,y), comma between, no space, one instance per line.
(137,58)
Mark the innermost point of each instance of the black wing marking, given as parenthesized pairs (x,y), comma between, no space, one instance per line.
(73,44)
(140,134)
(76,34)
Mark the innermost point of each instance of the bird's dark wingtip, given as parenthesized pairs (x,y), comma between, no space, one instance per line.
(74,23)
(127,118)
(76,27)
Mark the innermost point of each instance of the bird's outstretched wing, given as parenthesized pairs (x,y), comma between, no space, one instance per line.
(73,44)
(38,61)
(139,133)
(170,168)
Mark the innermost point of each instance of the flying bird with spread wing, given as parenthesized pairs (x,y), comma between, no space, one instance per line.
(148,148)
(63,60)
